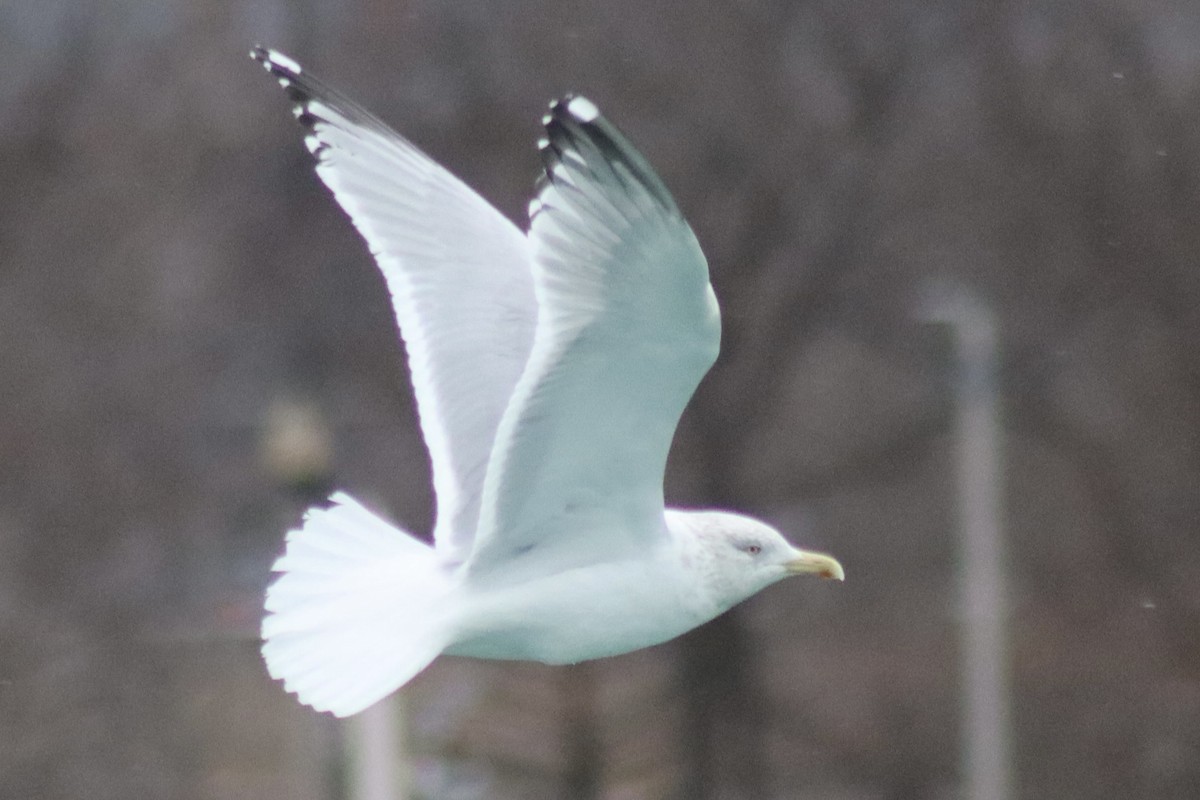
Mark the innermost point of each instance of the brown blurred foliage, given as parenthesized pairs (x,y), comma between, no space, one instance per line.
(171,272)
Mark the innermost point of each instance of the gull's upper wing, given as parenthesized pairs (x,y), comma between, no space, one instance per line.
(459,275)
(627,326)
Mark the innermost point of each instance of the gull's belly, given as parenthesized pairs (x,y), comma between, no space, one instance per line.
(580,614)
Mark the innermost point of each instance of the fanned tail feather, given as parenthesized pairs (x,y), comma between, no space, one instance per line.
(356,611)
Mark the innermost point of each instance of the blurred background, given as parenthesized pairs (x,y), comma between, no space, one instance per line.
(194,346)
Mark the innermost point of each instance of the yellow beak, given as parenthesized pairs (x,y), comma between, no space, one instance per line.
(819,564)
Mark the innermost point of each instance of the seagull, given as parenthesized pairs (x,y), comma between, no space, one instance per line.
(550,369)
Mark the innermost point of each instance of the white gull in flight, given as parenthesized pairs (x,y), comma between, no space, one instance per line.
(550,369)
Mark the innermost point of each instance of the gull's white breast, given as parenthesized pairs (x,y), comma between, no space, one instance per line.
(586,612)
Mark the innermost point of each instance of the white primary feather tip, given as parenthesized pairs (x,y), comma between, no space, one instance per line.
(582,109)
(276,58)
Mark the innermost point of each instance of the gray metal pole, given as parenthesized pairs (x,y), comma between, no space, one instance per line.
(983,594)
(376,752)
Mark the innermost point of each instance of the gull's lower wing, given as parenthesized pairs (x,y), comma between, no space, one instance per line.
(627,327)
(460,278)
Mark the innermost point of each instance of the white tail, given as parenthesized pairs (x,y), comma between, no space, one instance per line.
(357,610)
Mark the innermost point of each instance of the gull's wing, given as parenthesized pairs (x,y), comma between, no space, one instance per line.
(627,326)
(459,275)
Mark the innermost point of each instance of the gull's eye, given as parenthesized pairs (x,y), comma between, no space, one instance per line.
(752,549)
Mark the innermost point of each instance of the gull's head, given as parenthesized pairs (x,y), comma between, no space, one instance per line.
(740,556)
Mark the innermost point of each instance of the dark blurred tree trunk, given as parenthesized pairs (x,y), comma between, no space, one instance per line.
(723,752)
(580,739)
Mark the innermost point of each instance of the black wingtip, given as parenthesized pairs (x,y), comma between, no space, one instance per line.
(575,123)
(275,62)
(312,98)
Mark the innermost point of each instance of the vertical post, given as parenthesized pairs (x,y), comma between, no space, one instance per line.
(375,752)
(983,594)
